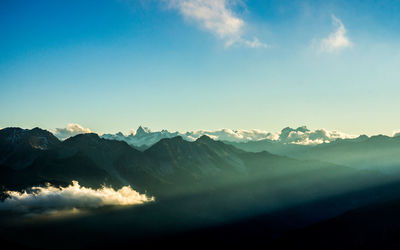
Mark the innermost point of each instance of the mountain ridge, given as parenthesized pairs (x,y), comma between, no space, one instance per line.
(144,137)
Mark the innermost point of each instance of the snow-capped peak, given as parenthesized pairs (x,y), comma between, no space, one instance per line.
(144,137)
(142,131)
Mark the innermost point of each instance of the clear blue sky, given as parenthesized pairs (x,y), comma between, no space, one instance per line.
(201,64)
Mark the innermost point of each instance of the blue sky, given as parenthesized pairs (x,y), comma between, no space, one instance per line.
(201,64)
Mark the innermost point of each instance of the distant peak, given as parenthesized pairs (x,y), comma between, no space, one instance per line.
(303,129)
(142,131)
(362,137)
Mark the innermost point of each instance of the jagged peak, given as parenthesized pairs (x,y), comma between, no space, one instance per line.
(142,130)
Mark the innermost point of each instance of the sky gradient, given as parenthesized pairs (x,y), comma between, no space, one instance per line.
(199,64)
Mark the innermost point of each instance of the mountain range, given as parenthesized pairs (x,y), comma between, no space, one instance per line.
(289,141)
(377,152)
(144,137)
(170,166)
(253,190)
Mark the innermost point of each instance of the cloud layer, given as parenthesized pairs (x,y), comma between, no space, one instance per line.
(74,197)
(72,129)
(240,135)
(302,135)
(337,40)
(217,17)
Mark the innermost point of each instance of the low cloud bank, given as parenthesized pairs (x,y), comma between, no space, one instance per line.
(72,129)
(232,135)
(302,135)
(51,199)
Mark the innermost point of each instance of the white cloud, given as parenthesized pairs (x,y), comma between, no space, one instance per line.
(216,17)
(304,136)
(336,40)
(255,43)
(72,129)
(230,135)
(396,133)
(51,199)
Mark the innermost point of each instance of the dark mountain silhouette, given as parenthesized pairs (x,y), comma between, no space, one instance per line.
(86,158)
(202,158)
(20,147)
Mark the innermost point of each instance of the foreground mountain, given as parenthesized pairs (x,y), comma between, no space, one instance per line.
(20,147)
(87,158)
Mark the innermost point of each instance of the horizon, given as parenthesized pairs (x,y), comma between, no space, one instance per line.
(73,129)
(189,65)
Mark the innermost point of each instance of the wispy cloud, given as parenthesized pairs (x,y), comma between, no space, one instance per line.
(255,43)
(72,129)
(217,17)
(53,200)
(337,40)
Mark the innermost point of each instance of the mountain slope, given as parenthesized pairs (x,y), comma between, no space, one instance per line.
(202,158)
(377,152)
(20,147)
(87,158)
